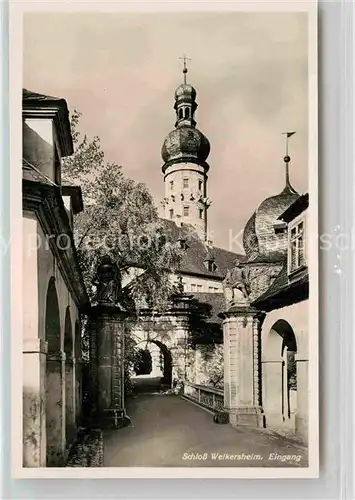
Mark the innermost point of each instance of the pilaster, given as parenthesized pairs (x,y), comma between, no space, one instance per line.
(34,415)
(107,332)
(241,330)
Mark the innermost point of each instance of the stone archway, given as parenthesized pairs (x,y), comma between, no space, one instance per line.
(279,376)
(160,361)
(167,364)
(54,401)
(143,363)
(69,380)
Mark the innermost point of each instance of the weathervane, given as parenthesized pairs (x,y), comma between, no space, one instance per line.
(185,58)
(287,160)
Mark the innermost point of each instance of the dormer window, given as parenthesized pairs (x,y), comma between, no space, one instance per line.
(183,244)
(296,248)
(210,265)
(280,227)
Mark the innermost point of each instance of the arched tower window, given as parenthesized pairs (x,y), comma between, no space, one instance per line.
(187,112)
(181,113)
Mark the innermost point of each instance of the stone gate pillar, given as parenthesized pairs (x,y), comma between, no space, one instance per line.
(179,350)
(242,333)
(107,334)
(34,414)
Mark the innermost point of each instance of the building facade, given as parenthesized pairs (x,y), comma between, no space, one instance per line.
(265,339)
(54,294)
(285,330)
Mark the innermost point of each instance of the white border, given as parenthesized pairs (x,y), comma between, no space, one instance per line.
(16,11)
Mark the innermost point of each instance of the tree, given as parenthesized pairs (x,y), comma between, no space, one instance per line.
(202,329)
(121,220)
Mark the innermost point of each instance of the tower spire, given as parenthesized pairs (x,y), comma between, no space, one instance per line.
(185,58)
(288,188)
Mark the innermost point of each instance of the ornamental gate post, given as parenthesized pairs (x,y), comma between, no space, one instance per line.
(242,369)
(107,326)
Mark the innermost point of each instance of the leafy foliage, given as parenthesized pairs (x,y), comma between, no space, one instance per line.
(212,366)
(201,330)
(121,220)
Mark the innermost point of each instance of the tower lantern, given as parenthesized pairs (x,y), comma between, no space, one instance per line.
(184,152)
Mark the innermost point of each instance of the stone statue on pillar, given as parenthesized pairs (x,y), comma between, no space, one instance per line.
(179,285)
(236,285)
(108,282)
(107,327)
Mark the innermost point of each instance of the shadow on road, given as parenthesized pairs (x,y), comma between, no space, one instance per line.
(146,384)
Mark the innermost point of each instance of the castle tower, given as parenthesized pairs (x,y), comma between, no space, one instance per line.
(185,151)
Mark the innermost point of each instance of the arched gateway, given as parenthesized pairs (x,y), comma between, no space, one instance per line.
(279,376)
(55,437)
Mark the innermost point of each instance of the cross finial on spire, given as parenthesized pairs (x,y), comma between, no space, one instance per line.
(287,160)
(185,58)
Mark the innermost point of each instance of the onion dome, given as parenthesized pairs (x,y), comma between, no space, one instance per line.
(260,240)
(185,91)
(186,143)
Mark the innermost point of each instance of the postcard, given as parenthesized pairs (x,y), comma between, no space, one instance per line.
(165,296)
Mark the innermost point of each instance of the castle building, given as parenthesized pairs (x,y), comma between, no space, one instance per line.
(185,151)
(270,338)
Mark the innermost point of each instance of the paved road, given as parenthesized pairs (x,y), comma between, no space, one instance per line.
(169,431)
(147,384)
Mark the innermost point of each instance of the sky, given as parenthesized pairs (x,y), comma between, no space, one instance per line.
(120,70)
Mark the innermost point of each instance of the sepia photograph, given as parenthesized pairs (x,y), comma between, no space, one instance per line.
(169,279)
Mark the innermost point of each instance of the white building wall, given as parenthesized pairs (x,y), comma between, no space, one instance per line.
(193,284)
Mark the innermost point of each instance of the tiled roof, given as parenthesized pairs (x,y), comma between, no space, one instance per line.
(217,303)
(29,96)
(259,237)
(30,173)
(282,287)
(193,261)
(297,207)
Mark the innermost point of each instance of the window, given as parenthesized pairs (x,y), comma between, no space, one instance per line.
(171,185)
(171,212)
(183,244)
(186,211)
(200,185)
(187,113)
(199,288)
(200,213)
(297,247)
(193,288)
(180,113)
(210,265)
(185,183)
